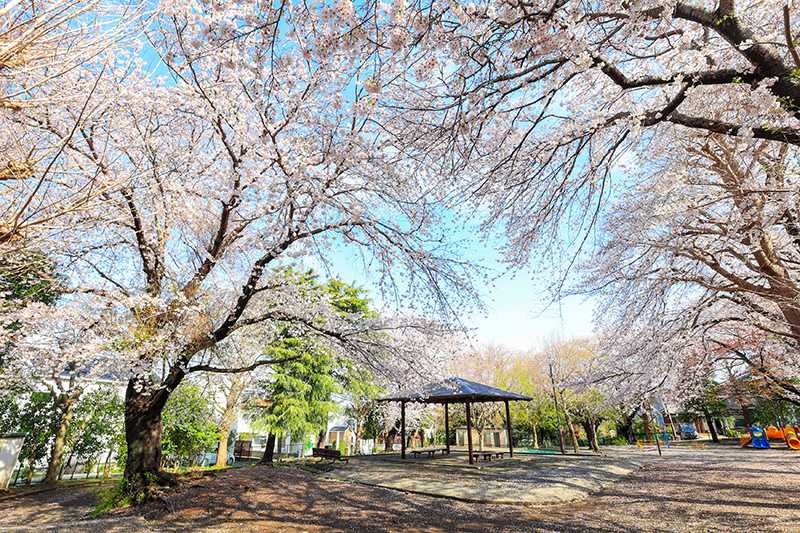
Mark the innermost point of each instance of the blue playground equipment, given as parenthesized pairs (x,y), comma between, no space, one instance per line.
(758,437)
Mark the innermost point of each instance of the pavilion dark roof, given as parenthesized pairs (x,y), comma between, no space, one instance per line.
(454,390)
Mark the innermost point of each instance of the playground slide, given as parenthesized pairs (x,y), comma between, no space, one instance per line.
(791,438)
(758,437)
(774,433)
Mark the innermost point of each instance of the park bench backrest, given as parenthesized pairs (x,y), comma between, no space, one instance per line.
(324,452)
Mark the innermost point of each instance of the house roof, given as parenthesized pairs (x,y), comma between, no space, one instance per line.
(338,428)
(454,390)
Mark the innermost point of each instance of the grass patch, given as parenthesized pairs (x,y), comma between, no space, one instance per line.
(109,498)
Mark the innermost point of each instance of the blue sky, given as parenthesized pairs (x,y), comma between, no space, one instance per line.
(518,311)
(518,315)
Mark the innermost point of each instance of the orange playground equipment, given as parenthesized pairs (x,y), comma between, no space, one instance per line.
(790,436)
(774,433)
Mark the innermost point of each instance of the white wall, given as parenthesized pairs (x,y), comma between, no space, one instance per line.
(9,450)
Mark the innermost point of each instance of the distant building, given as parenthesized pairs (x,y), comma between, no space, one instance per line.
(340,434)
(492,437)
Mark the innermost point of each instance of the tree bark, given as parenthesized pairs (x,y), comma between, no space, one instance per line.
(746,414)
(222,445)
(29,475)
(65,464)
(269,452)
(387,443)
(626,427)
(592,436)
(648,431)
(570,425)
(558,415)
(711,428)
(228,416)
(535,437)
(143,436)
(107,466)
(67,409)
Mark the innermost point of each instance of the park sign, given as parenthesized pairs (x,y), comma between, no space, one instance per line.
(10,446)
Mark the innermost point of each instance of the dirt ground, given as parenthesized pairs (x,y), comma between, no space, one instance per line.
(524,479)
(712,489)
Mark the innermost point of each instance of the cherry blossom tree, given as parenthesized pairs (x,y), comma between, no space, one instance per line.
(699,261)
(250,147)
(531,104)
(59,350)
(51,54)
(538,108)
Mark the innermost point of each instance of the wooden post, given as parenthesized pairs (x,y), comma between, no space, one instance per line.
(402,430)
(508,428)
(446,429)
(469,433)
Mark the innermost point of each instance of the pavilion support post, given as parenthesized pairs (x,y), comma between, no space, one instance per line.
(469,432)
(508,429)
(402,430)
(446,429)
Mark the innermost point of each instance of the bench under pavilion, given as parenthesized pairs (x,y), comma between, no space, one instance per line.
(454,390)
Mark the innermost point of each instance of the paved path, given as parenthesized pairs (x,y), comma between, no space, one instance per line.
(523,479)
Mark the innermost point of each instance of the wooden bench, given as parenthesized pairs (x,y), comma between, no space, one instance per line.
(325,453)
(430,451)
(487,456)
(499,455)
(417,453)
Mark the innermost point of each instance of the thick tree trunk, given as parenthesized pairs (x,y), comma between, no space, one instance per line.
(711,428)
(269,451)
(626,427)
(228,417)
(387,443)
(67,409)
(143,437)
(591,437)
(535,437)
(321,439)
(222,445)
(746,415)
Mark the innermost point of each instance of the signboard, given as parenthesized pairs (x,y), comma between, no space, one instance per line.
(10,446)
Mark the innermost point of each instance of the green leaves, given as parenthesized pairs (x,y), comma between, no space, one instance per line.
(97,424)
(32,414)
(188,422)
(296,398)
(298,394)
(27,277)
